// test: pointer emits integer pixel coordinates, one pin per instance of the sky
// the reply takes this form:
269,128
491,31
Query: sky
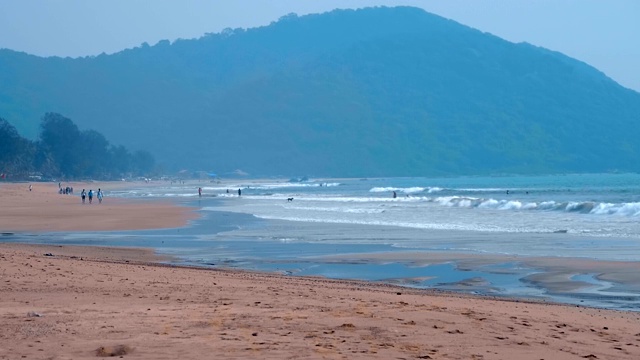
602,33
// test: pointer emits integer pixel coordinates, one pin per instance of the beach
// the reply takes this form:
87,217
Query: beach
79,302
44,209
75,302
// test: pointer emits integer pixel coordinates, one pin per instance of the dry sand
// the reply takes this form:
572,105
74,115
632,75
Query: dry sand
82,302
43,209
86,301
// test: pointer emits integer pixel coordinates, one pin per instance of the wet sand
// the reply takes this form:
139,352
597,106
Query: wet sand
79,302
555,273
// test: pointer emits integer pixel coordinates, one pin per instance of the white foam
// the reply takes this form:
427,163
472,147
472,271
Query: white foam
429,226
625,209
273,186
340,199
338,209
409,190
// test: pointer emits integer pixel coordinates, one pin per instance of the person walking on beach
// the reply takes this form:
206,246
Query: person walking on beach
83,195
99,196
200,192
90,196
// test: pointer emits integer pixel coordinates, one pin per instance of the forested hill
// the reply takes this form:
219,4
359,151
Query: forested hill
372,92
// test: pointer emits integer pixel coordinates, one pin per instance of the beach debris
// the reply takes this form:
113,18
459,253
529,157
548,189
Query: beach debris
34,314
118,350
347,326
48,254
590,356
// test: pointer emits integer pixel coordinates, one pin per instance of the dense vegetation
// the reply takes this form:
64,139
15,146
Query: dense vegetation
64,152
372,92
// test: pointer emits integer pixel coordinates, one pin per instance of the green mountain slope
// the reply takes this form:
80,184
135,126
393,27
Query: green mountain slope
372,92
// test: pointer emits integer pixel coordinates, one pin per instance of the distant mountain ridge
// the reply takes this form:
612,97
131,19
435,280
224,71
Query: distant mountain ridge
370,92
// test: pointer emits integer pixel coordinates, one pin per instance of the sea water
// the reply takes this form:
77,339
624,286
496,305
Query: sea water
593,205
318,226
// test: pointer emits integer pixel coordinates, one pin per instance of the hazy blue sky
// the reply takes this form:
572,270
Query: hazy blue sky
603,33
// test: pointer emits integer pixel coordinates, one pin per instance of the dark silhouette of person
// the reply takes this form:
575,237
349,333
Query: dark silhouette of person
239,192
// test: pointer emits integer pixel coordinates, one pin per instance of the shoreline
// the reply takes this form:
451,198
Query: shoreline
577,281
82,299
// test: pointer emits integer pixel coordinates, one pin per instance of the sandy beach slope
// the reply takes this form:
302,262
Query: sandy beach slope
84,301
43,209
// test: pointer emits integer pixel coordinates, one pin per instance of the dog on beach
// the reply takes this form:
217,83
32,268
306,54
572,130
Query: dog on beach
289,199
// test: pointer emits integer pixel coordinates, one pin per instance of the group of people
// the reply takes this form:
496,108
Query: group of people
67,190
239,192
98,194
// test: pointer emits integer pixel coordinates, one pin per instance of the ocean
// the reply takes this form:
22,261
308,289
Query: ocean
512,236
602,208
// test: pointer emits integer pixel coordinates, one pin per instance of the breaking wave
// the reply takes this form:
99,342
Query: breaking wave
410,190
585,207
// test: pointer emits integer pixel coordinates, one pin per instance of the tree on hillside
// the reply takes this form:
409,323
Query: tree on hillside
95,154
60,138
64,150
16,153
120,160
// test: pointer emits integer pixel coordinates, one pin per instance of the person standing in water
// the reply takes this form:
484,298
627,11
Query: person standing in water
200,192
239,192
